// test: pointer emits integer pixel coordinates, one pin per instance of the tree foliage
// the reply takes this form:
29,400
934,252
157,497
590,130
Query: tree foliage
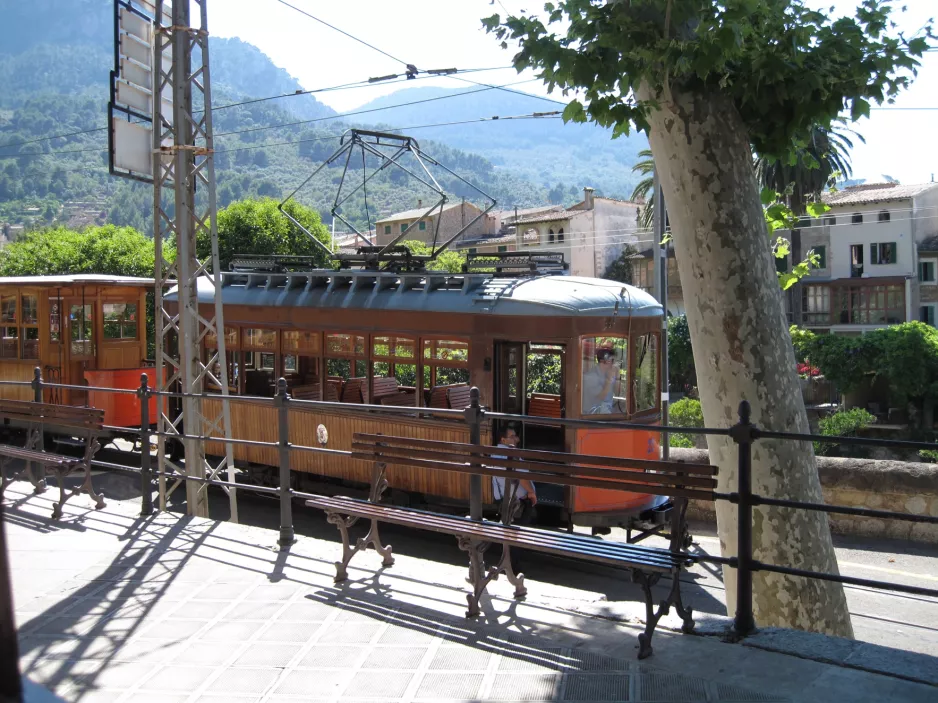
258,227
119,251
681,370
448,260
621,267
784,66
905,355
686,412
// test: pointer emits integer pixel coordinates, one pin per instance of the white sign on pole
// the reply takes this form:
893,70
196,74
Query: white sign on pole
133,147
130,110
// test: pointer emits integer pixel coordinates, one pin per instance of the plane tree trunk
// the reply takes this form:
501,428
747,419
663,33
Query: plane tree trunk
742,351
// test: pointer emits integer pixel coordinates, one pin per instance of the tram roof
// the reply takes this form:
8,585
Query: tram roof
433,292
78,279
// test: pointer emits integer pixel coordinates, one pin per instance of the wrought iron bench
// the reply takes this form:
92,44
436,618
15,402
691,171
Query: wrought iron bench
646,564
84,424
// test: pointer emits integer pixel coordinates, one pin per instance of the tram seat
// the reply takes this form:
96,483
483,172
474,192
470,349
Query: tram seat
355,390
458,397
402,398
309,392
312,392
333,389
455,396
384,387
544,405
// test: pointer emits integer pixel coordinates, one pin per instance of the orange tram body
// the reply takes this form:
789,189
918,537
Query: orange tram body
542,345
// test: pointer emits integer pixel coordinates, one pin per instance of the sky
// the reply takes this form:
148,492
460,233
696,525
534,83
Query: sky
900,143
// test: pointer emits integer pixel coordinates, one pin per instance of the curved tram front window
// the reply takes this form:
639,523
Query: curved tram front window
605,375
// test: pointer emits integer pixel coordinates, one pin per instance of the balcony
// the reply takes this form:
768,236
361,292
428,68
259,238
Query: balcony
876,301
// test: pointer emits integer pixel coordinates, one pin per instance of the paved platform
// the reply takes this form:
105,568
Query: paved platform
112,607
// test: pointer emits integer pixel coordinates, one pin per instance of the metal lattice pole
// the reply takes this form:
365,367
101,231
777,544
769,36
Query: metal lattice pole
183,158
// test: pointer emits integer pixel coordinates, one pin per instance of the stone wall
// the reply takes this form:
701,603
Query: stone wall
903,487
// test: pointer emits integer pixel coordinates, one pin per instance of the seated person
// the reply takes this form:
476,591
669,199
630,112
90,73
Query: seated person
525,493
600,383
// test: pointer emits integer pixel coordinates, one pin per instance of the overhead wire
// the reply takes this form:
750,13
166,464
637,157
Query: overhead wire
363,112
342,31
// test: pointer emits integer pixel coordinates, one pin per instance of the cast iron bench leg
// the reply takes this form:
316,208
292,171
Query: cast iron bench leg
646,581
373,538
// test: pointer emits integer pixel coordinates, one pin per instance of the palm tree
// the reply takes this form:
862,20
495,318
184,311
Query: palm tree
826,153
645,188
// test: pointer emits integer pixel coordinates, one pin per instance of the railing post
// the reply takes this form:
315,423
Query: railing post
743,434
146,476
37,384
281,402
474,420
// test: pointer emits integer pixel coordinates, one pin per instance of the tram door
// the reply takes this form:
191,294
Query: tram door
509,383
530,379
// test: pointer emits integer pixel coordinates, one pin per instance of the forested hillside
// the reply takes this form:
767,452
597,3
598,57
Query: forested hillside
55,56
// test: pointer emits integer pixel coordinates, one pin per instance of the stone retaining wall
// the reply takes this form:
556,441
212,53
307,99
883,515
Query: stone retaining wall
903,487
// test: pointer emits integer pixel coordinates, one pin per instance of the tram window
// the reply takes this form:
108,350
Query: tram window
260,362
645,381
30,305
29,312
81,323
8,309
30,342
55,320
605,375
345,344
215,368
231,338
120,321
347,369
394,368
301,342
260,339
445,363
9,342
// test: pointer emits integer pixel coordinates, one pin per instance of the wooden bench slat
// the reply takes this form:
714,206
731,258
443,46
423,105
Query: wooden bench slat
615,553
640,476
484,451
38,456
697,494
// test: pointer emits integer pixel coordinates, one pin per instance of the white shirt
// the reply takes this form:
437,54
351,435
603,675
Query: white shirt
498,484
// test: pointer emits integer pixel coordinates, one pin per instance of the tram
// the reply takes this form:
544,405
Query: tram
80,330
535,342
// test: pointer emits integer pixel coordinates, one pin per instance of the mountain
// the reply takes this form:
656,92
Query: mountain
55,59
545,151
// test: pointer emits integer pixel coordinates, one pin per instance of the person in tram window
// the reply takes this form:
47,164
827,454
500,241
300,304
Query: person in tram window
524,512
599,383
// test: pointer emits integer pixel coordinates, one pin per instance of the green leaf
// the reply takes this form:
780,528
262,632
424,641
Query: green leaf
787,280
574,112
859,108
768,196
817,208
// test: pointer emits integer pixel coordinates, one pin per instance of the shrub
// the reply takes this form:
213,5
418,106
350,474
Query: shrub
842,424
685,413
929,455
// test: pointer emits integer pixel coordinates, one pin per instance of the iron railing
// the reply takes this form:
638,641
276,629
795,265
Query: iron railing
744,434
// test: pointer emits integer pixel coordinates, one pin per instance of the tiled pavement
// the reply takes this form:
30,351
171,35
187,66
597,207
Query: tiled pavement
171,609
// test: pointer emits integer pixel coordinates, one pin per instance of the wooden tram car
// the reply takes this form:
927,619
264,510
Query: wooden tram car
531,342
80,330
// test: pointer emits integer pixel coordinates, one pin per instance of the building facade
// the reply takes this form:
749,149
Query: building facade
440,223
878,249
